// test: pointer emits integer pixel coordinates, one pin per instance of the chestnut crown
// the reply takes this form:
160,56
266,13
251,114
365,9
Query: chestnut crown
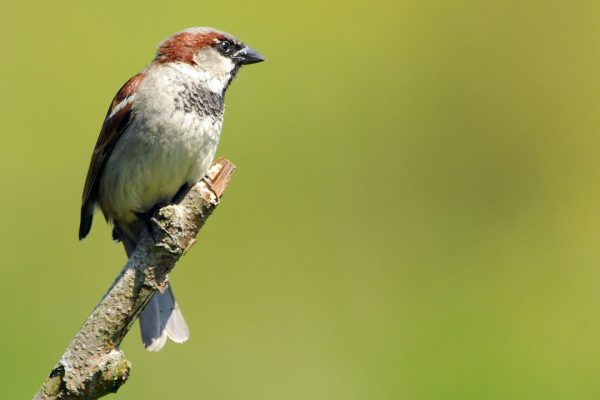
195,45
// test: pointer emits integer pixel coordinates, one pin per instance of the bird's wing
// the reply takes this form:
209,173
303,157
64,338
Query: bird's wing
118,117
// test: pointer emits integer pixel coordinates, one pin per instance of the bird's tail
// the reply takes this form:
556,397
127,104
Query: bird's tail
161,318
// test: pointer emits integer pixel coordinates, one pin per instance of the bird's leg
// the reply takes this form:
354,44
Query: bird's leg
116,234
151,223
183,190
149,217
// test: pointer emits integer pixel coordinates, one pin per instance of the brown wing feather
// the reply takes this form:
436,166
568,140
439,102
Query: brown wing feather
112,128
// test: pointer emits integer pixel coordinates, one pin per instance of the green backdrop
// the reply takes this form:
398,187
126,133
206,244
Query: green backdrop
414,215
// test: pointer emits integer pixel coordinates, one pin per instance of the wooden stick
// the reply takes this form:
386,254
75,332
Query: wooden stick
93,365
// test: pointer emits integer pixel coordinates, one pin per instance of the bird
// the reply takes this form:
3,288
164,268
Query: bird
159,137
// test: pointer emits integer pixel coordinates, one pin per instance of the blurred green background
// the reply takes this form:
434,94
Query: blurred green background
415,213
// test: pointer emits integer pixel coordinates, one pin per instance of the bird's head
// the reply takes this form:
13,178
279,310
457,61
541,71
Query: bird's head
213,53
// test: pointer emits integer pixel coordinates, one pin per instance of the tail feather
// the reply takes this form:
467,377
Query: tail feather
176,327
85,223
154,336
162,319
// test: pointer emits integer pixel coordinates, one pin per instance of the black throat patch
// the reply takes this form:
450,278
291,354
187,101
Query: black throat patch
194,98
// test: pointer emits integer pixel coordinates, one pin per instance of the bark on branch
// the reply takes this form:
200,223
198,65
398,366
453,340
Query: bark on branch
93,365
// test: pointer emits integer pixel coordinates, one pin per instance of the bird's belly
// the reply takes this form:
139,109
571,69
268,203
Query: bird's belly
149,166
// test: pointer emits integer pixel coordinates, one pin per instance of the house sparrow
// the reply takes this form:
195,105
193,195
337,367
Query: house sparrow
158,139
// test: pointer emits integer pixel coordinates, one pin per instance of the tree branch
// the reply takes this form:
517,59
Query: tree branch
93,365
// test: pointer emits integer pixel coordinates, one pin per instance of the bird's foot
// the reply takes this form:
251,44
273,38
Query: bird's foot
152,224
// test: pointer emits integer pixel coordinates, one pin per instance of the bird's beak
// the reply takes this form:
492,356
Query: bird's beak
248,55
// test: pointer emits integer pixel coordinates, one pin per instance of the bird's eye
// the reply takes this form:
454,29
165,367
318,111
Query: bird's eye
225,46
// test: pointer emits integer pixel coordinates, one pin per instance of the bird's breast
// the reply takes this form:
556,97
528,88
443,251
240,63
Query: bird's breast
171,141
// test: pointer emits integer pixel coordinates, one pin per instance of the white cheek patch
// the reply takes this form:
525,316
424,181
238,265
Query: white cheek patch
215,68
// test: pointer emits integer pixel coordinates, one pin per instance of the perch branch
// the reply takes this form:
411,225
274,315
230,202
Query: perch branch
93,365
